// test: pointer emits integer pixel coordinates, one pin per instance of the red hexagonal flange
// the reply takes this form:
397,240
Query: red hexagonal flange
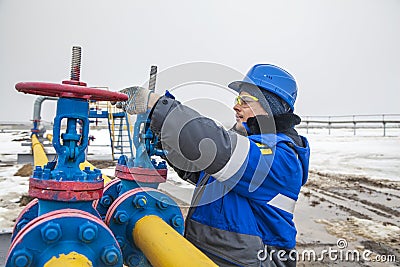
141,175
65,190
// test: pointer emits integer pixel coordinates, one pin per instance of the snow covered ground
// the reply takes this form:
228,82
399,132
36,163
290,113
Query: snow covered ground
368,153
353,190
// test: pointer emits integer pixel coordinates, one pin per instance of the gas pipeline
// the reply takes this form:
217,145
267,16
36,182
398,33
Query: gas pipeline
74,219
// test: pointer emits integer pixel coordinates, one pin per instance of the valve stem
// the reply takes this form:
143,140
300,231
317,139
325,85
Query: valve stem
153,76
76,63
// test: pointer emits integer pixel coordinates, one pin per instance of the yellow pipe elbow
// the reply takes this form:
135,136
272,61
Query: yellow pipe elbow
163,246
39,155
72,259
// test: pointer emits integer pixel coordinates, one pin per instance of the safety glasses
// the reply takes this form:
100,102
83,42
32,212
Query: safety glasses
245,99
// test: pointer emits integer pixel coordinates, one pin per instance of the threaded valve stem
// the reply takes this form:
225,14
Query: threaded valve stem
76,63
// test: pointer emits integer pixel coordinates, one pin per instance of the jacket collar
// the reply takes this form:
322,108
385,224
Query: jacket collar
263,124
282,123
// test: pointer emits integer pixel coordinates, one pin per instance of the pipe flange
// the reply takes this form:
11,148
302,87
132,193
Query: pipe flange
133,205
141,175
66,190
48,238
29,213
110,194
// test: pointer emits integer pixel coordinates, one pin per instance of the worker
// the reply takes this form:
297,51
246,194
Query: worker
248,178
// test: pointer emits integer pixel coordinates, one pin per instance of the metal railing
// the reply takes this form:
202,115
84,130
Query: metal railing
354,122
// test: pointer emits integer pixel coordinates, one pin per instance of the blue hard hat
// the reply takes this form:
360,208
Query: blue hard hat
271,78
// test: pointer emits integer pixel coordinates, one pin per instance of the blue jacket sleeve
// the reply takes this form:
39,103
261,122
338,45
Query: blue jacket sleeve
196,143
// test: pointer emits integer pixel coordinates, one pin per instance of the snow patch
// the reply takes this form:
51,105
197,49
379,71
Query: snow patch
353,227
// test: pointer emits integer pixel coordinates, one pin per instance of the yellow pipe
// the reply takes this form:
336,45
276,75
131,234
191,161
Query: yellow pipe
163,246
73,259
49,137
84,164
39,155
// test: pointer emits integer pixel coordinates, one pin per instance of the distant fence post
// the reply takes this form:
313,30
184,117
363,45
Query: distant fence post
384,125
329,125
354,124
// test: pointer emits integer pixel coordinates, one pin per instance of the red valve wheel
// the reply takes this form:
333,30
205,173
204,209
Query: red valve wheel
68,90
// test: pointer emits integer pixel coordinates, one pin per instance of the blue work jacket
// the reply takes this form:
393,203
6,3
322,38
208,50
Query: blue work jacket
248,189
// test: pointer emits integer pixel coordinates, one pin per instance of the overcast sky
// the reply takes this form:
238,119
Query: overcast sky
344,53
